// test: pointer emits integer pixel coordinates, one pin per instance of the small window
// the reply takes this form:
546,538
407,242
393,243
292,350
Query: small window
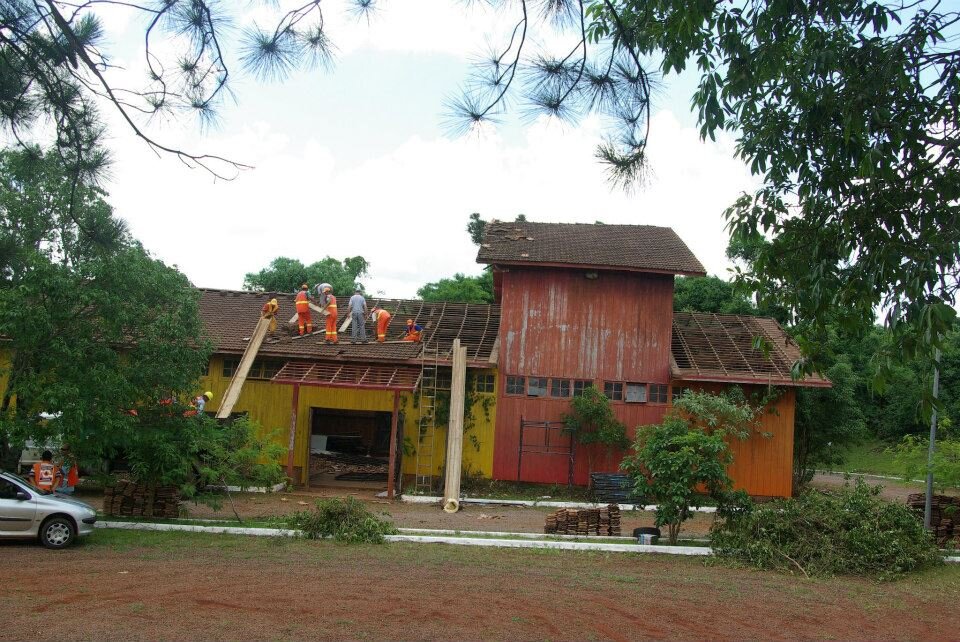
265,369
537,387
516,385
560,388
677,392
230,367
484,383
580,386
444,379
636,392
658,393
613,390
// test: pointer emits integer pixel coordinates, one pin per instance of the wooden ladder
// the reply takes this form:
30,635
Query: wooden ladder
427,424
240,376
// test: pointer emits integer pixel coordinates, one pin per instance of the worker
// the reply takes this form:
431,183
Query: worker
358,317
413,332
45,474
270,312
198,404
382,320
303,310
72,476
329,305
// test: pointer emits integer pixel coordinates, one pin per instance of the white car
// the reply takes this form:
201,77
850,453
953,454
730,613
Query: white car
29,513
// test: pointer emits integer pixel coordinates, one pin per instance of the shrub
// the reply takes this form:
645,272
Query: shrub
850,531
592,421
344,520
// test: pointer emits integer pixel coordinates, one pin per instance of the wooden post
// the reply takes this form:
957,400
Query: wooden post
451,486
293,433
391,474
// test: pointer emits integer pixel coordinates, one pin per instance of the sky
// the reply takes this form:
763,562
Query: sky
357,161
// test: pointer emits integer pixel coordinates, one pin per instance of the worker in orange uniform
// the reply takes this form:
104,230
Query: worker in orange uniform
46,475
329,305
382,320
413,332
303,310
270,312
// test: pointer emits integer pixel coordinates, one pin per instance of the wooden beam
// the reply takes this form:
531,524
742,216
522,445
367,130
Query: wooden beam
391,481
240,376
293,434
451,486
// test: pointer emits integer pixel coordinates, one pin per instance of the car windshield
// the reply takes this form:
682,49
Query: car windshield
33,489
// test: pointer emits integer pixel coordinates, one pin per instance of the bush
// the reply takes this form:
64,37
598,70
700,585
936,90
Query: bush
345,520
850,531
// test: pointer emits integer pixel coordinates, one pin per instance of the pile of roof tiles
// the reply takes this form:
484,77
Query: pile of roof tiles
132,499
584,521
944,516
612,487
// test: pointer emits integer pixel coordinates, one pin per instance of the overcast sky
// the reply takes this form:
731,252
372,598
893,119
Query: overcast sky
356,160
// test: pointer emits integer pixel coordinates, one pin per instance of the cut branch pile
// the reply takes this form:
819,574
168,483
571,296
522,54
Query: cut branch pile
339,464
944,516
586,521
132,499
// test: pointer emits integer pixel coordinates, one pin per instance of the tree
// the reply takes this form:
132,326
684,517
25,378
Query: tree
687,452
287,275
93,324
591,421
709,294
460,289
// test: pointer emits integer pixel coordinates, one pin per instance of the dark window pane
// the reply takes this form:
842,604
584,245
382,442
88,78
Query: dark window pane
580,386
515,385
560,388
658,393
613,390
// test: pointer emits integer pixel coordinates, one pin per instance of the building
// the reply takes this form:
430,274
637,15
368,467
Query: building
576,305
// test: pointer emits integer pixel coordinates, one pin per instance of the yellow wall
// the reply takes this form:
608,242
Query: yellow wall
270,405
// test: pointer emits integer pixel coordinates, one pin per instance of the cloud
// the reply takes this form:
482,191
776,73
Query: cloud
406,210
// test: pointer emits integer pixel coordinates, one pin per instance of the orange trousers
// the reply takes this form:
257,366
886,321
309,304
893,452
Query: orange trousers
331,333
304,320
383,320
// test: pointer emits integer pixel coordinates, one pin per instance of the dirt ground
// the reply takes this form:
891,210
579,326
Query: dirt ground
892,489
122,585
472,517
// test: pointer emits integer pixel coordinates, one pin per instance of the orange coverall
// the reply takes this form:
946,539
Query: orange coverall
303,312
331,333
383,320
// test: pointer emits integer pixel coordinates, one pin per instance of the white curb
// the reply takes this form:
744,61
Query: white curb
427,499
192,528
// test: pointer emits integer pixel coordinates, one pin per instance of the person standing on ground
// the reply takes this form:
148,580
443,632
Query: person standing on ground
358,317
45,474
303,310
382,320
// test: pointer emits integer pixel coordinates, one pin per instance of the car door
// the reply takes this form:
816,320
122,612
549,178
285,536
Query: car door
16,515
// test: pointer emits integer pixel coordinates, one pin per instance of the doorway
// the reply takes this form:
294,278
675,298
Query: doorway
349,448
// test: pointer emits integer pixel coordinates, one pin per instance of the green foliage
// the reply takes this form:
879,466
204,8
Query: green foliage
460,289
687,453
287,275
911,457
826,420
476,227
850,531
709,294
344,520
592,421
96,326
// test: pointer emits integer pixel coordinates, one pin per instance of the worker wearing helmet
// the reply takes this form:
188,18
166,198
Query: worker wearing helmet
199,404
303,310
329,304
413,332
270,312
381,318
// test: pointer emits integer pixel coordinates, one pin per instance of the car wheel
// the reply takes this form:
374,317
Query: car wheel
57,532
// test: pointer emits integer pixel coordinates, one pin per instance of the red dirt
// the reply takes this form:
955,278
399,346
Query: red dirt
128,586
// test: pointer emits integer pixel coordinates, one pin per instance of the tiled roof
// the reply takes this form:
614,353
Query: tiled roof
642,248
720,347
230,316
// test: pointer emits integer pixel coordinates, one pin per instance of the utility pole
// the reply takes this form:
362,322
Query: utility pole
928,503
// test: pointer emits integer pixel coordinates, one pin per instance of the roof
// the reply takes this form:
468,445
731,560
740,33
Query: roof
720,347
229,317
637,248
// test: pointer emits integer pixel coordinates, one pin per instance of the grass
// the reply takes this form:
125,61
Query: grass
873,457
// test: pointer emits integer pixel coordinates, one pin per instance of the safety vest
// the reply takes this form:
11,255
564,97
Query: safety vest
331,303
45,475
303,303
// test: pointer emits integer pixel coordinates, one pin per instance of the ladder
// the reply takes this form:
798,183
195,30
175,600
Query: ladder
427,424
240,376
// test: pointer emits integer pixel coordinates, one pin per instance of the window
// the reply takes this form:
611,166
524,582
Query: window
484,383
636,393
677,392
265,369
444,379
537,387
580,386
613,390
658,393
560,388
8,490
230,367
516,385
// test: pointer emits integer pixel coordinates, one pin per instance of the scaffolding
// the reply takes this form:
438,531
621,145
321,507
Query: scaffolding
427,423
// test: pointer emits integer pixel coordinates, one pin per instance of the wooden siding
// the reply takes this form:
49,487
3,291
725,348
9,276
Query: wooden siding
559,323
269,404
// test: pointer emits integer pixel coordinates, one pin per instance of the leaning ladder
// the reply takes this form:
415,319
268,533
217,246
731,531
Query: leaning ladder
427,424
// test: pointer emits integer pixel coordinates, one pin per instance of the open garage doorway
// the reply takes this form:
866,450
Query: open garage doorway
349,448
